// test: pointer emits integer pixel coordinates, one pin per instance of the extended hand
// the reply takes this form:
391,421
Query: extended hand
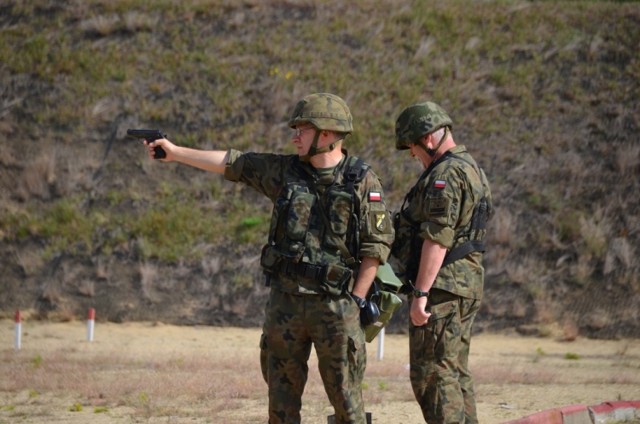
162,145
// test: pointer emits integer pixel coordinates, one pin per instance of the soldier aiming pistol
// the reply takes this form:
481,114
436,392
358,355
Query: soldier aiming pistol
150,135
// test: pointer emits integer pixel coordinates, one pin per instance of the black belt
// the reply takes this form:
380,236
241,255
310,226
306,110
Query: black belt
302,269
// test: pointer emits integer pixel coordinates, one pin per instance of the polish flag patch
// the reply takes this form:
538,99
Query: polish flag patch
439,184
375,196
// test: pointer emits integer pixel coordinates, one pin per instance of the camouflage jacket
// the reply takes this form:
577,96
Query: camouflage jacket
313,218
439,208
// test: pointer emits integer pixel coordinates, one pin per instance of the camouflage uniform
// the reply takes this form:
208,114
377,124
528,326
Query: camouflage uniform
440,208
310,278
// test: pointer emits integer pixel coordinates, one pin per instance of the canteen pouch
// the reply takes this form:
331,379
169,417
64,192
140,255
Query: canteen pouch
388,303
386,285
387,279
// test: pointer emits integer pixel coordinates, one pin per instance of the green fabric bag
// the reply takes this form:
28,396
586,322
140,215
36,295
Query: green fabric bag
386,286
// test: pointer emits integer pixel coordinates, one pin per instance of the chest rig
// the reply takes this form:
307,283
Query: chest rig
314,234
468,238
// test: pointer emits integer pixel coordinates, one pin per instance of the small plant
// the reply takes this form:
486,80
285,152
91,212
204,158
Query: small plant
539,354
143,398
36,362
242,279
251,221
571,356
76,407
100,410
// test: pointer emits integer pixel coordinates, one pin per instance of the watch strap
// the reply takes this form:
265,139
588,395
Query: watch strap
359,301
420,293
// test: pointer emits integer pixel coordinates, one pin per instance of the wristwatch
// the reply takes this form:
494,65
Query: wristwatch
420,293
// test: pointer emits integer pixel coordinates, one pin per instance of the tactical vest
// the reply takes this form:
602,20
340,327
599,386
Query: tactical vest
469,238
314,233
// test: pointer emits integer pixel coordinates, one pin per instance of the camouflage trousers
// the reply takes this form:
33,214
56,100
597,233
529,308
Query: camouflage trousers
294,323
439,356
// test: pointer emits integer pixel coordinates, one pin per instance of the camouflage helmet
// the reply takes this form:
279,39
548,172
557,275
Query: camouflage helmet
418,120
325,111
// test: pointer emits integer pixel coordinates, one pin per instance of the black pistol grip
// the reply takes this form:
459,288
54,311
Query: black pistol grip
159,153
150,136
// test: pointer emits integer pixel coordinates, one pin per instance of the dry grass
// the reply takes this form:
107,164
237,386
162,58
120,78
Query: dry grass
37,177
163,373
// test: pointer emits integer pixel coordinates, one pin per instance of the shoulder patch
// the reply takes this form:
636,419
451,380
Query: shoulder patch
438,206
375,196
380,223
439,184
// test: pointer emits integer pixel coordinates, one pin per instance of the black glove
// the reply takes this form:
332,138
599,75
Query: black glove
369,311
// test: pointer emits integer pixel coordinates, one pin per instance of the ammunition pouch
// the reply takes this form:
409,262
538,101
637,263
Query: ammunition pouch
385,288
270,259
337,280
333,279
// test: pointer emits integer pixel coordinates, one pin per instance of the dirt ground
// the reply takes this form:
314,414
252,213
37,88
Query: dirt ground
155,373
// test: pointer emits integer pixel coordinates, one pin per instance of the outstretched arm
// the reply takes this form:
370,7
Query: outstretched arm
208,160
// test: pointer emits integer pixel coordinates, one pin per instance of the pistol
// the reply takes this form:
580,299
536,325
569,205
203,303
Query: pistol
150,135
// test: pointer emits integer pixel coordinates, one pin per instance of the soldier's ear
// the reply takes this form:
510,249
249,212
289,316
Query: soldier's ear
326,134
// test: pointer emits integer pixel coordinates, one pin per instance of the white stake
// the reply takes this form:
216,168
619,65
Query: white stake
18,335
380,344
91,319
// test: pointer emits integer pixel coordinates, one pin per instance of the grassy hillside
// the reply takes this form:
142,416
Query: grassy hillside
544,94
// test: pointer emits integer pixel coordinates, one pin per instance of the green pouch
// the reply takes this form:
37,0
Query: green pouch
387,279
387,302
386,286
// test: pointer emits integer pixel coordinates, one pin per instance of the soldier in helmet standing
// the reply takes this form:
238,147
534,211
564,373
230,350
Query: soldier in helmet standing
329,231
439,248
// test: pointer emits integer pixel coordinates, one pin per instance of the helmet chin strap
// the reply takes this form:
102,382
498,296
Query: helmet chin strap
432,152
313,149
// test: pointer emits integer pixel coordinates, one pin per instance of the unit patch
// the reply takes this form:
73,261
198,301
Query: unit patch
438,206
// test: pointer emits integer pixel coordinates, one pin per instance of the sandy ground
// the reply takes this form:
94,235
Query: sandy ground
155,373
